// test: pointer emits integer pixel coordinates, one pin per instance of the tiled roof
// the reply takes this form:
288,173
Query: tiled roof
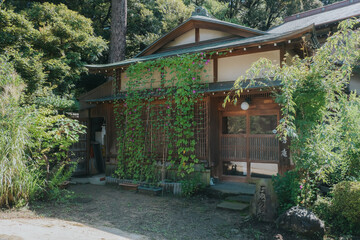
326,17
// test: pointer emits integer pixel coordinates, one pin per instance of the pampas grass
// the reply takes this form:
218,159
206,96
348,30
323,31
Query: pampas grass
18,181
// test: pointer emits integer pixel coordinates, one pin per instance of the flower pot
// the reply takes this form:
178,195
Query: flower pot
154,191
129,186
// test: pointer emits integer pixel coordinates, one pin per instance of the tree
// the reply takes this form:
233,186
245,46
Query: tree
173,13
49,45
263,14
118,30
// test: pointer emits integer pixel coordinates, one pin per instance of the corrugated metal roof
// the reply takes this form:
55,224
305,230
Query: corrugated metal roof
209,88
208,47
319,19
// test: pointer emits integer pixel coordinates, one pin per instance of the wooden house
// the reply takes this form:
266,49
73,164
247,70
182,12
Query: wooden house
235,143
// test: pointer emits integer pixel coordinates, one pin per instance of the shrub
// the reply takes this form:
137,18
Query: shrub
346,203
322,208
191,185
18,184
287,188
34,144
341,212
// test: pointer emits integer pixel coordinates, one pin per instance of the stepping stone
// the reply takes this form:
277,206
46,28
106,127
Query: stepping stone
233,206
235,188
240,198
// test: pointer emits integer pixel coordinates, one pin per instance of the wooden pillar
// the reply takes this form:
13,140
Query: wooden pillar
248,146
88,141
214,136
215,69
197,35
109,130
282,54
118,80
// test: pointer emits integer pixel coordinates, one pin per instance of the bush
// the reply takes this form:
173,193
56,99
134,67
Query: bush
18,184
341,213
322,208
287,188
191,185
34,144
346,203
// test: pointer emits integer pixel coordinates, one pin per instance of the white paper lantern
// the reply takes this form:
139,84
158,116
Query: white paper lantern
244,106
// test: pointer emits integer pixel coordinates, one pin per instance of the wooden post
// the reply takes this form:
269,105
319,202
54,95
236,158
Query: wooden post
215,69
88,145
248,146
197,35
118,80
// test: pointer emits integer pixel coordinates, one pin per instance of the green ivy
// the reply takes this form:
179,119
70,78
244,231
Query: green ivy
165,107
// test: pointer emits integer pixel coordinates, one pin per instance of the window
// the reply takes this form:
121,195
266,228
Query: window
234,125
264,124
235,168
263,170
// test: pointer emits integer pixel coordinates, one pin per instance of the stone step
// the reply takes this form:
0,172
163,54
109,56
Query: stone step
240,198
233,188
233,205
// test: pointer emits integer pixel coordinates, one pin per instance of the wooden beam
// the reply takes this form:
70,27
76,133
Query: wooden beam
215,69
118,80
162,77
197,35
225,28
249,50
282,54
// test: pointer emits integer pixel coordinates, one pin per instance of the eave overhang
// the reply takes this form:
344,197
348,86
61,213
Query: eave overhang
200,22
233,44
223,87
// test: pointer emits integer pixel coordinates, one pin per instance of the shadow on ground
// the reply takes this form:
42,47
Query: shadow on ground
157,217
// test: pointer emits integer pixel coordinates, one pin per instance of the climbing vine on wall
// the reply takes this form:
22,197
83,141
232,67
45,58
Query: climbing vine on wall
155,120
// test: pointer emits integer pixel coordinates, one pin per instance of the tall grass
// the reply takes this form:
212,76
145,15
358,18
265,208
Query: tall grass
18,182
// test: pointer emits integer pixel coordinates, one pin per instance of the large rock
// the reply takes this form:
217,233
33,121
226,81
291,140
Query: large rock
302,221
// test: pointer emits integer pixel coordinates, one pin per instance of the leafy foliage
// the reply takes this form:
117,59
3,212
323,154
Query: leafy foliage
341,211
17,183
50,45
287,188
149,19
34,144
319,118
313,104
346,203
175,95
191,185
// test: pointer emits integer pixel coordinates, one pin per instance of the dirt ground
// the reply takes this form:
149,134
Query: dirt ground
110,209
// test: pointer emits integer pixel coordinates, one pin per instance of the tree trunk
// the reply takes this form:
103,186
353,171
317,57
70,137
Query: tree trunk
118,30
